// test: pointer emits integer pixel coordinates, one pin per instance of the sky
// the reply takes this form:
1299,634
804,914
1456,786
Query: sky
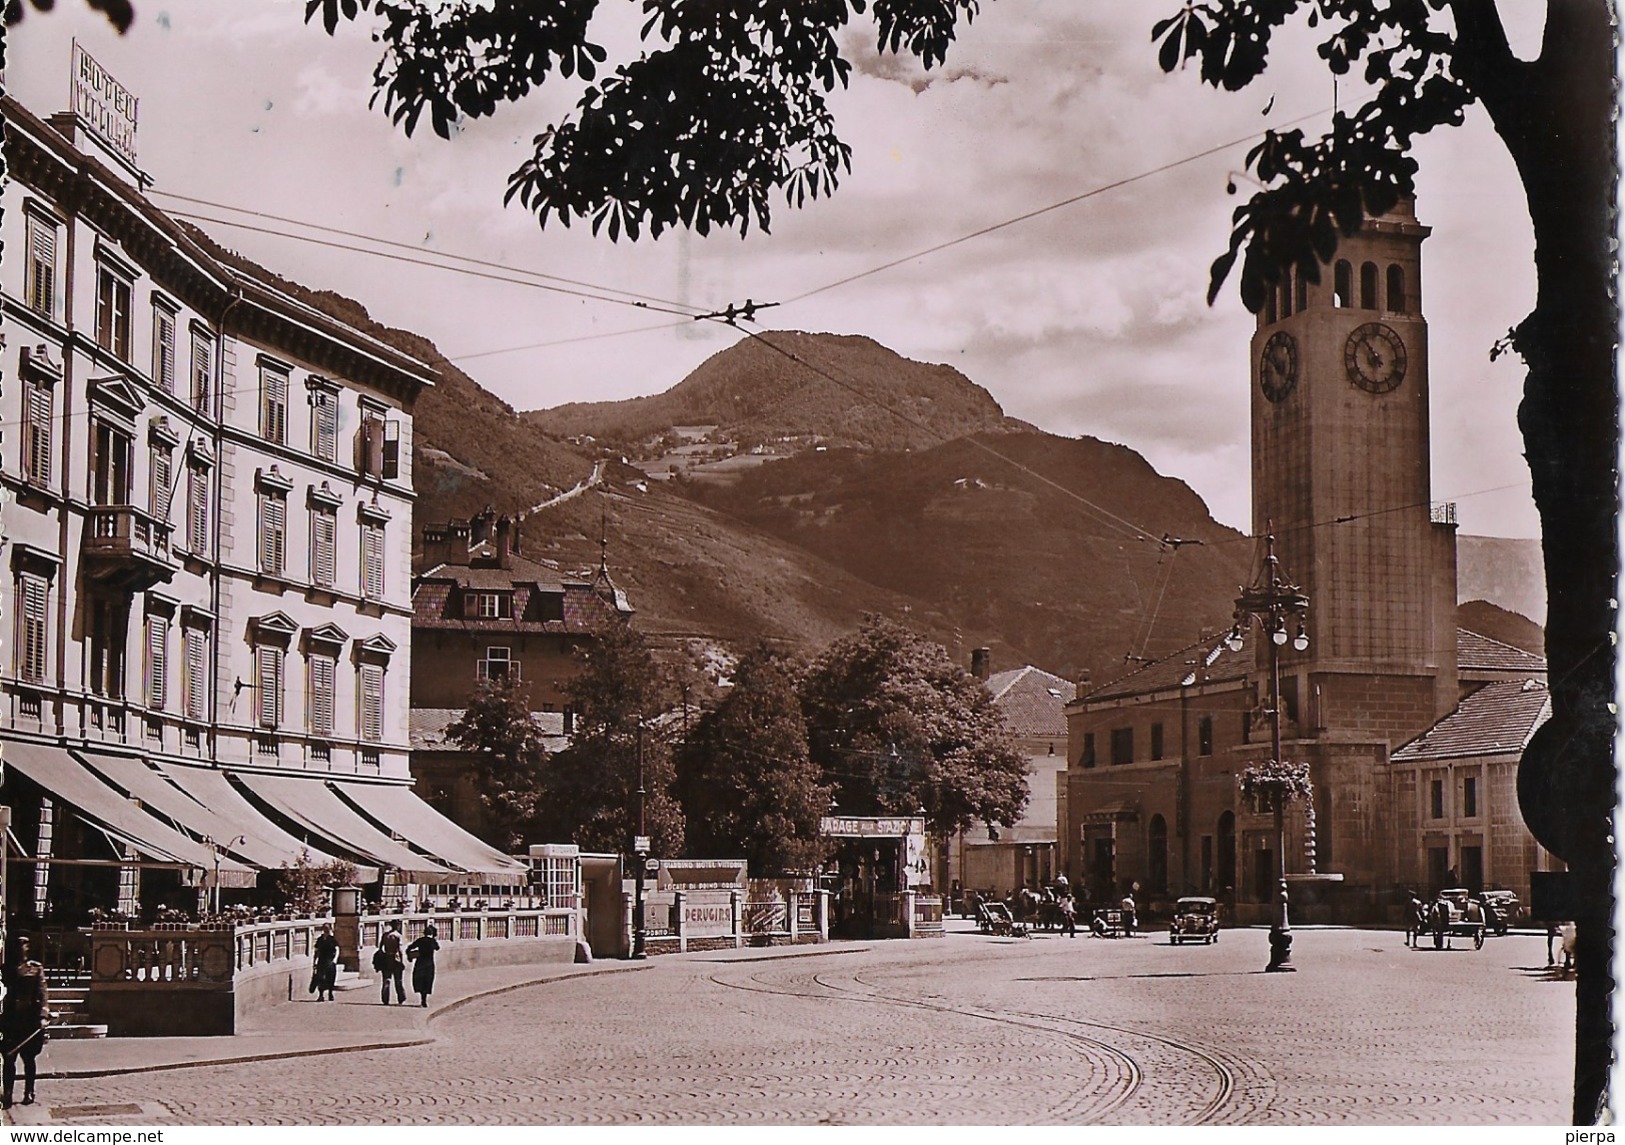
1088,319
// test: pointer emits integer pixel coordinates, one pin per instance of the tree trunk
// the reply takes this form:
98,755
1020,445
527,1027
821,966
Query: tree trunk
1555,119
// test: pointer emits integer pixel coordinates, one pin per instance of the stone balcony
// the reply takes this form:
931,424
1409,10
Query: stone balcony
127,548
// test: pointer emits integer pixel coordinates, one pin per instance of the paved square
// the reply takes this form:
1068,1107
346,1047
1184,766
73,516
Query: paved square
966,1029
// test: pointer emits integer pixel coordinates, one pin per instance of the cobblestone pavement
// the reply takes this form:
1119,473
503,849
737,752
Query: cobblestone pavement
967,1029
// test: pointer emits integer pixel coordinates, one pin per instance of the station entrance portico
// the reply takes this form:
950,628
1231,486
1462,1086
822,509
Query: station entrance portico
875,861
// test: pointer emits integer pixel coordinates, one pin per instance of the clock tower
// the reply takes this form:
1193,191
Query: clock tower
1341,476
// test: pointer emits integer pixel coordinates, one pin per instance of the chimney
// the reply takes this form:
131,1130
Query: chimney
436,545
504,542
981,663
481,526
1082,688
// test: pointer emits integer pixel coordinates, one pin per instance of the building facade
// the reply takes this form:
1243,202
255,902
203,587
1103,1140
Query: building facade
483,611
208,547
1001,860
1340,470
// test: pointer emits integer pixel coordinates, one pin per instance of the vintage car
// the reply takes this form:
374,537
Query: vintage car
1195,920
1505,907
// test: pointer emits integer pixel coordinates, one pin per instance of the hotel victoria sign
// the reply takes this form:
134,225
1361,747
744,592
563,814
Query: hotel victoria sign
106,106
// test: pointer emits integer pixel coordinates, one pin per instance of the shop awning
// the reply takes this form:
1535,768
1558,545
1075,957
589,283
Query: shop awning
310,803
408,816
120,818
240,830
210,787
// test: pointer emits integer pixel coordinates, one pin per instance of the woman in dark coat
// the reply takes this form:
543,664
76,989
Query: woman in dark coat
324,975
23,1018
421,955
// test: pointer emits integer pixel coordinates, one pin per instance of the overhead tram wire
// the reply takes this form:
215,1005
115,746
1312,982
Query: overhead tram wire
600,291
507,278
1116,184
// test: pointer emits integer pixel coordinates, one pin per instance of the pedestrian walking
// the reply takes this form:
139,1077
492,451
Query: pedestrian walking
1129,920
23,1018
325,971
389,962
421,954
1069,914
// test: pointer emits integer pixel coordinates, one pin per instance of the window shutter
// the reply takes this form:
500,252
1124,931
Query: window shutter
372,702
327,427
202,370
163,352
195,668
372,557
372,446
161,479
31,592
273,532
157,662
324,547
42,267
39,433
268,686
274,406
322,673
390,466
197,509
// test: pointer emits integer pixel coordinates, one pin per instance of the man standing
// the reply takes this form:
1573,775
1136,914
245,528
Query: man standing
391,962
23,1018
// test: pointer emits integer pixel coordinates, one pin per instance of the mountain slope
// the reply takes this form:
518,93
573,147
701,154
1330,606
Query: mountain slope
1050,541
779,385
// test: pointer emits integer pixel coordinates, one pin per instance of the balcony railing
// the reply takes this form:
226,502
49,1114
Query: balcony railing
126,544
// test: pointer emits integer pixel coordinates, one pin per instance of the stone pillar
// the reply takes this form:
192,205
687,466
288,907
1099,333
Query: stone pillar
347,926
821,913
907,901
737,913
790,913
677,919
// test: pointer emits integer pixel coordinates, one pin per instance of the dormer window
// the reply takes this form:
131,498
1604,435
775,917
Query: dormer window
489,606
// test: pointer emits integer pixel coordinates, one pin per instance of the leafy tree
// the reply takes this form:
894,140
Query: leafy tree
621,699
509,755
898,726
119,13
307,885
745,780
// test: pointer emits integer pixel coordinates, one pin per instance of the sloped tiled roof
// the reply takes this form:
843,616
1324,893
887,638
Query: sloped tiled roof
1497,719
1481,653
1033,701
1180,669
426,728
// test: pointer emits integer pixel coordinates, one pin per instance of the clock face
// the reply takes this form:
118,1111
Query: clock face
1278,366
1375,358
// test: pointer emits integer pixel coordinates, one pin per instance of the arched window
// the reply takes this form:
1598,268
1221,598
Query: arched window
1396,288
1368,286
1300,290
1343,284
1157,853
1227,854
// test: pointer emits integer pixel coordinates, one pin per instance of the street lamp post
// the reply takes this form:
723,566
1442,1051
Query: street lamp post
640,853
1278,606
219,850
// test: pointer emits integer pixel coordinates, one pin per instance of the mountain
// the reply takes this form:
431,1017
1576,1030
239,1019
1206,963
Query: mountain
838,389
1497,623
1053,542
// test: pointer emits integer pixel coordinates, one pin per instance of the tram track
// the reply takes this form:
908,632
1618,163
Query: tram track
1122,1072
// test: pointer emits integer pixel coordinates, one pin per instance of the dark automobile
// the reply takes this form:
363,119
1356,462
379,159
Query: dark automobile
1195,920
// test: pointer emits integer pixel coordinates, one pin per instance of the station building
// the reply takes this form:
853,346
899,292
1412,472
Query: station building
1411,727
